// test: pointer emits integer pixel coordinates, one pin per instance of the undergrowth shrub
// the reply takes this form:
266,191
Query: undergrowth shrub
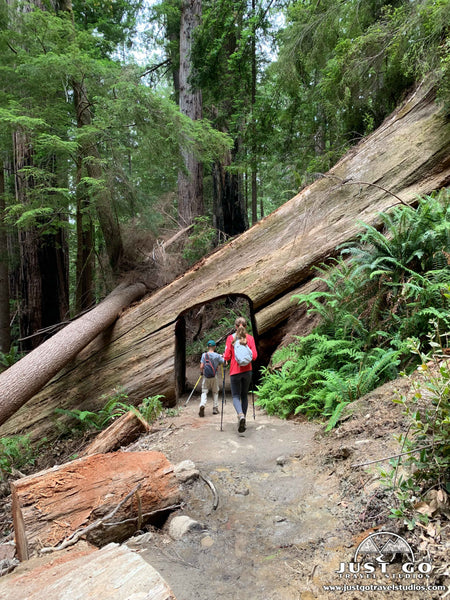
15,453
420,477
385,287
321,375
200,240
149,409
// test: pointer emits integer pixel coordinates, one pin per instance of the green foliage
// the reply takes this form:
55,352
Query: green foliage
342,68
115,406
9,358
425,467
320,375
200,240
393,284
15,453
225,314
150,408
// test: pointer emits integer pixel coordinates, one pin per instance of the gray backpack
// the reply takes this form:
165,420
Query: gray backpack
243,354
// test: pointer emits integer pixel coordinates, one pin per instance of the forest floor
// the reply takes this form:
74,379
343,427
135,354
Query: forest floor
293,507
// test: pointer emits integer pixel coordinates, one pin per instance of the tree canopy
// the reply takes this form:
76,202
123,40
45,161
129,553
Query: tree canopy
93,140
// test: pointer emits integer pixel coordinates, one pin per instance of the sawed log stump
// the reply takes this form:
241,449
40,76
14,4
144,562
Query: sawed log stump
50,506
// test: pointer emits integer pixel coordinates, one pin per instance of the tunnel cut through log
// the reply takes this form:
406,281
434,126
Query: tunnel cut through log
182,338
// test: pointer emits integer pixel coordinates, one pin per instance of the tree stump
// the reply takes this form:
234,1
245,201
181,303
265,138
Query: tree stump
101,498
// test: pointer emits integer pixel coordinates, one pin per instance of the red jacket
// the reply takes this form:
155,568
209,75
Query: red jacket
229,354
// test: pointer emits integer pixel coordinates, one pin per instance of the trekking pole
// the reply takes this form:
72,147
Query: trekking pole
253,401
190,395
223,397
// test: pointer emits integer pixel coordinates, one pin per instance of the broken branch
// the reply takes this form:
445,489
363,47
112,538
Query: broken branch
213,490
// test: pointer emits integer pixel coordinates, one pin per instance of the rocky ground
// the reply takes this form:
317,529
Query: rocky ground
293,505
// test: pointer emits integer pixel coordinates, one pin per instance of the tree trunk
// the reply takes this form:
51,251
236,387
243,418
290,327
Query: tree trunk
190,181
253,124
53,258
109,223
50,506
230,216
25,378
44,263
30,284
5,330
84,291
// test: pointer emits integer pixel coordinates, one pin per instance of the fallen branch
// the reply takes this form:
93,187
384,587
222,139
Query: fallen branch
213,490
371,462
350,181
76,535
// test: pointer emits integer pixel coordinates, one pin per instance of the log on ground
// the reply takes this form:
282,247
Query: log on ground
112,573
123,431
65,501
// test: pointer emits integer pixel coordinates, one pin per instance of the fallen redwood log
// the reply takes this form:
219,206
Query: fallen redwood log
112,573
102,498
407,156
25,378
123,431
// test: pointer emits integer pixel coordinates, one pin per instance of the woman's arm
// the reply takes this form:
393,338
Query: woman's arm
252,345
227,354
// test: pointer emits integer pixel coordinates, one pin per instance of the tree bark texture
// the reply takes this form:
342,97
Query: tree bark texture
230,215
408,155
43,273
5,330
30,283
25,378
51,505
190,181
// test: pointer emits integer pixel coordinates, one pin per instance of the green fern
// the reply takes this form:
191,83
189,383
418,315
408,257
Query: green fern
384,288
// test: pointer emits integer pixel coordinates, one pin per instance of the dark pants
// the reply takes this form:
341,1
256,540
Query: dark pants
240,384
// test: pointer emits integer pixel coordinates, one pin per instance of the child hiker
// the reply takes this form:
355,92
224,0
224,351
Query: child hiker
209,363
240,349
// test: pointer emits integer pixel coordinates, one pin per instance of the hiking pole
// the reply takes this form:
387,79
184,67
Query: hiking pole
253,401
223,397
190,395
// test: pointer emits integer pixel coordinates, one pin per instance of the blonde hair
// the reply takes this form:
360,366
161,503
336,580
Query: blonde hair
241,335
240,321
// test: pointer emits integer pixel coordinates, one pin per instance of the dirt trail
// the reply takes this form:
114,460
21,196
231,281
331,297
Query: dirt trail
271,504
291,507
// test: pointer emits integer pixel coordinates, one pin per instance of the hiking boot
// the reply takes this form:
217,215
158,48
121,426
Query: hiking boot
201,412
215,411
241,427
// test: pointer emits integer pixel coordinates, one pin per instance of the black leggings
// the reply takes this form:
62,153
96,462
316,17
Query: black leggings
240,384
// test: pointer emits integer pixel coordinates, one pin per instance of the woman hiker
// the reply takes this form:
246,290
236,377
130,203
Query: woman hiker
240,349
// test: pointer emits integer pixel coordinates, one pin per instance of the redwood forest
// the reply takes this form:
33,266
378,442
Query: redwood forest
171,166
